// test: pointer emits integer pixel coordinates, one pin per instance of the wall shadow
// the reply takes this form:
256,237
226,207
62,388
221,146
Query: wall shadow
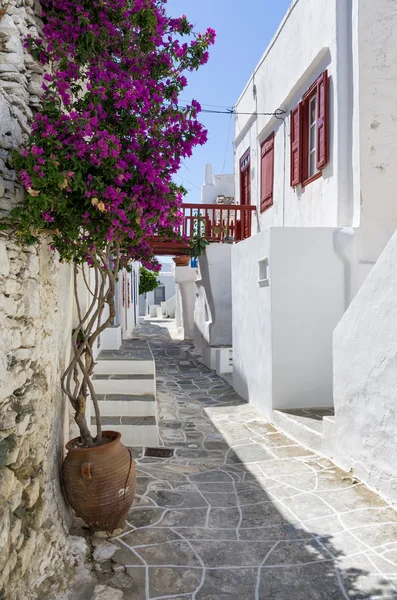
241,511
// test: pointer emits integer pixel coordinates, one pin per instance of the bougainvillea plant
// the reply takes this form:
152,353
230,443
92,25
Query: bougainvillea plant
98,165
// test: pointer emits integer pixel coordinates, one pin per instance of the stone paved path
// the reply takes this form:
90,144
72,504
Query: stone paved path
241,512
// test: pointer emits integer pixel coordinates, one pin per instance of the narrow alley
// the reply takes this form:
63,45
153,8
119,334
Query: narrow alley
240,511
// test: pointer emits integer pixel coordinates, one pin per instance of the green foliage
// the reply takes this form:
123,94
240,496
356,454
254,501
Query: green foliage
147,281
198,243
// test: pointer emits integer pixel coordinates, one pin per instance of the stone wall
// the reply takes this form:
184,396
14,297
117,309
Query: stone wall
35,327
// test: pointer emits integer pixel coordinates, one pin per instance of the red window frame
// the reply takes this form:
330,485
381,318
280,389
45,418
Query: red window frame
267,172
245,178
300,120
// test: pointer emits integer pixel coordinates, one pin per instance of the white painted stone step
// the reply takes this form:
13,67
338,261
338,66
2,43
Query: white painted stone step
125,367
134,431
305,426
139,385
122,405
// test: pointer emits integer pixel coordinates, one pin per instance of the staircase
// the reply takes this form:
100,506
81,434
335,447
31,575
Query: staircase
125,384
310,427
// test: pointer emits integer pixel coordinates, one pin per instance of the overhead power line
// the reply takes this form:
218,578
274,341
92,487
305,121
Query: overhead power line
190,182
279,113
230,111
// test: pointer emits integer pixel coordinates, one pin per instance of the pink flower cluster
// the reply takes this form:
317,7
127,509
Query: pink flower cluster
110,134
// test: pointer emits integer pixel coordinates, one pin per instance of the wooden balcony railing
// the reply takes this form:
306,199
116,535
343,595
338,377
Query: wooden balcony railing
218,222
224,223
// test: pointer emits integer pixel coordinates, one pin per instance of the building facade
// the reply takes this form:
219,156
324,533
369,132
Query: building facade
150,302
315,134
213,301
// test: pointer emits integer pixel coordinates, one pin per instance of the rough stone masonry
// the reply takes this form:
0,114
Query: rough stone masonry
35,328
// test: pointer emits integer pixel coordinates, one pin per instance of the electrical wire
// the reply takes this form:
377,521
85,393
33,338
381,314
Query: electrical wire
231,111
190,182
203,104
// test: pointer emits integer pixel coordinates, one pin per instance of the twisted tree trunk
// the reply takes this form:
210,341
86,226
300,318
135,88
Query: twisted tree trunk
76,380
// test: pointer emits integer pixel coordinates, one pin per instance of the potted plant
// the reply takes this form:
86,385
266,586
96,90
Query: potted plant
198,242
97,169
182,260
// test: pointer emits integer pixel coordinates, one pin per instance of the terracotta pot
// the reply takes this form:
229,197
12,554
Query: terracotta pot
100,482
182,261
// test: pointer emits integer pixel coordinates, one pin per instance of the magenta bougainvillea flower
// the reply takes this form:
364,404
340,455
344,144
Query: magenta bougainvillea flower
98,167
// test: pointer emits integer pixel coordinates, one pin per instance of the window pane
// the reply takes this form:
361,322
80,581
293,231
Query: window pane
312,138
313,106
312,164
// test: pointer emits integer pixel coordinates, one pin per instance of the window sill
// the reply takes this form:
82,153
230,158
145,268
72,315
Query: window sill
312,178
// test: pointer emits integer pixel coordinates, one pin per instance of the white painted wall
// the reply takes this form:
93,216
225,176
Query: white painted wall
216,185
365,379
213,307
356,40
127,300
252,324
307,287
185,278
300,51
282,328
178,309
166,279
340,224
377,76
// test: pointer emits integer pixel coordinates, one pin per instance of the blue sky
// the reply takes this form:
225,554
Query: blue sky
244,29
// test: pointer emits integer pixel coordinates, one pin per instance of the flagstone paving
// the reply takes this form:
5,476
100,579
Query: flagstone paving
242,512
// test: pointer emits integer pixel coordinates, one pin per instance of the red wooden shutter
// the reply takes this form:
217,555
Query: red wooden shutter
296,145
267,172
322,120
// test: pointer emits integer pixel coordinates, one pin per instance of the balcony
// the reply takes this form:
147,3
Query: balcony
222,223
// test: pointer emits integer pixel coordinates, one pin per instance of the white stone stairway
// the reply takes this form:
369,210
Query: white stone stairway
125,383
311,427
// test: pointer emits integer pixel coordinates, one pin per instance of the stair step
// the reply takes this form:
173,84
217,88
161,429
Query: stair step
135,431
125,398
130,385
126,405
123,376
304,425
124,366
116,355
142,421
130,350
125,384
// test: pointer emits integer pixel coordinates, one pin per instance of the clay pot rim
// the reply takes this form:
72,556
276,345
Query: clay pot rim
183,258
96,449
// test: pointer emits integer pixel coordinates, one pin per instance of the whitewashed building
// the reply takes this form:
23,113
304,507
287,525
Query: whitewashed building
127,310
213,301
315,149
161,301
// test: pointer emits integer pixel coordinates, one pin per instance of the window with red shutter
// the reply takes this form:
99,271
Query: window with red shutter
267,172
309,134
245,178
245,192
296,145
322,121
